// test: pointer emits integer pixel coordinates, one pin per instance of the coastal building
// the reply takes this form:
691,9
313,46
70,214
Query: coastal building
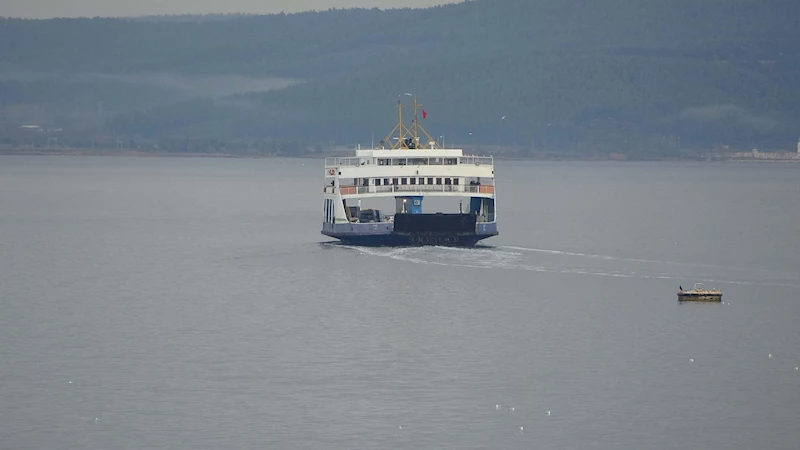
756,155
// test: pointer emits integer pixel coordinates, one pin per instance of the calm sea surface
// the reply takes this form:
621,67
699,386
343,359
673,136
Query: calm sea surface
193,304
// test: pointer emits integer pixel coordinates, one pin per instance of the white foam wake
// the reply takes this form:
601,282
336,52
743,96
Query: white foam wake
501,258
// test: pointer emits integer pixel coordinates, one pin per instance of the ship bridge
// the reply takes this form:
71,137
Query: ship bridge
440,172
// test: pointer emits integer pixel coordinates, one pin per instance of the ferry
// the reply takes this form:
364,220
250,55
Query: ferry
375,198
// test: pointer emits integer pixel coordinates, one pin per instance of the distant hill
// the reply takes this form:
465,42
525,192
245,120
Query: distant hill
193,18
646,78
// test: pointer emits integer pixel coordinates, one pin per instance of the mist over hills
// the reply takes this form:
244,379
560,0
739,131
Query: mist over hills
649,79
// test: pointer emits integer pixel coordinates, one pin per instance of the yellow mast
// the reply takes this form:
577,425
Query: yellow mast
399,128
399,122
403,131
416,124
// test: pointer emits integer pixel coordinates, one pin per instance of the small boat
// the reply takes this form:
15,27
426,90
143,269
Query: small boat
700,294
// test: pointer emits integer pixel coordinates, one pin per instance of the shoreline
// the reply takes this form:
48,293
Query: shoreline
137,154
142,154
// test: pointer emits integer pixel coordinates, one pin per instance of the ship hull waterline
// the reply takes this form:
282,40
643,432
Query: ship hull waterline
410,240
716,298
451,230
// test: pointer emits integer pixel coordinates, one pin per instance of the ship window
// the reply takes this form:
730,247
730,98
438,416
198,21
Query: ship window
438,181
377,181
418,161
365,182
437,161
386,182
455,181
394,181
380,162
422,181
448,181
430,180
328,211
404,181
450,161
413,180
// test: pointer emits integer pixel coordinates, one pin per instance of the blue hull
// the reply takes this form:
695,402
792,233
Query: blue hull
399,240
385,234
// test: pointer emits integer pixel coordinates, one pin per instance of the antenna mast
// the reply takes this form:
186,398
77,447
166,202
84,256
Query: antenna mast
416,123
399,122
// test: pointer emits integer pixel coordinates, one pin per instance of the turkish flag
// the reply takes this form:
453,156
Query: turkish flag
424,114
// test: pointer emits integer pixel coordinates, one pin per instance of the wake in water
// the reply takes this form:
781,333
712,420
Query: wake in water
616,258
565,262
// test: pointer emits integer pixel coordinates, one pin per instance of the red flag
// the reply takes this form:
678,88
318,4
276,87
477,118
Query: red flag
424,114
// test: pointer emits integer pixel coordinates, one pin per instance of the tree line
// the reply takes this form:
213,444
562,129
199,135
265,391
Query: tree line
647,78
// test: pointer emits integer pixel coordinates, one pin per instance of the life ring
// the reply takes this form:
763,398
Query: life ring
331,171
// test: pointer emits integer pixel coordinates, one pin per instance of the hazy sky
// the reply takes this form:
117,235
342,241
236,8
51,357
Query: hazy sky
91,8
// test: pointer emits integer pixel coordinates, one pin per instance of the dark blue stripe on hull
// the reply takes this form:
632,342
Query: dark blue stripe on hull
399,240
384,234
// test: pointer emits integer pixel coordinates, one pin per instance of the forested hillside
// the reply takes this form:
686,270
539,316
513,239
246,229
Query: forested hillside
645,78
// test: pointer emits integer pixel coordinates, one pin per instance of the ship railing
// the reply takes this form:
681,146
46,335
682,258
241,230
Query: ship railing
477,160
411,189
344,162
400,161
437,161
